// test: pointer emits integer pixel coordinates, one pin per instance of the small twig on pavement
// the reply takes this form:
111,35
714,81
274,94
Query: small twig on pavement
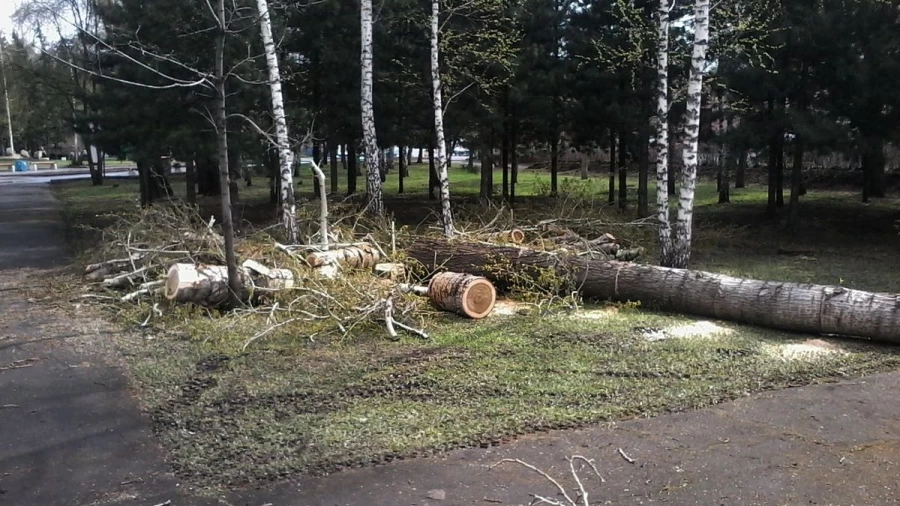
625,456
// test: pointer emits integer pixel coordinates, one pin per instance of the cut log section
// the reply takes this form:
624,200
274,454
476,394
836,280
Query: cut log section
514,236
788,306
463,294
207,285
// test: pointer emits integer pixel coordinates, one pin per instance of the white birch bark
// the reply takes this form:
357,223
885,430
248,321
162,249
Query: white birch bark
662,135
285,155
682,254
442,161
373,172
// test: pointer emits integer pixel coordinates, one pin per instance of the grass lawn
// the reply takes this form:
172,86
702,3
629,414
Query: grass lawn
288,405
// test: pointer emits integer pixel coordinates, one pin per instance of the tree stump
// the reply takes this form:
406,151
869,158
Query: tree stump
463,294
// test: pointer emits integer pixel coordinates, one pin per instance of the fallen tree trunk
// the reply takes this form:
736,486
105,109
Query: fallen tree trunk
329,263
788,306
207,285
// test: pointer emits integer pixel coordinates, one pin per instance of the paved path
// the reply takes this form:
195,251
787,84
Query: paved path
72,434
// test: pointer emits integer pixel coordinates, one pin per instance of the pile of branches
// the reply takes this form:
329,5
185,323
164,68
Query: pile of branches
136,251
142,251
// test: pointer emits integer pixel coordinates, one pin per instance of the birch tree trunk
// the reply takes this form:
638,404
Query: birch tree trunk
443,179
234,281
682,255
662,136
285,155
373,171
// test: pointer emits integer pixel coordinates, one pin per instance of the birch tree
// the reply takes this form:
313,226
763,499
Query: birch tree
682,247
285,154
662,135
442,161
375,203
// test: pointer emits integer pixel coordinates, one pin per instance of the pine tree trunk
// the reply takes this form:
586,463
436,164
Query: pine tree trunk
740,178
288,212
788,306
796,183
190,178
437,103
684,228
487,172
643,169
234,281
779,174
504,154
662,136
402,172
334,168
612,166
375,204
514,146
352,173
623,170
724,179
554,164
420,160
585,159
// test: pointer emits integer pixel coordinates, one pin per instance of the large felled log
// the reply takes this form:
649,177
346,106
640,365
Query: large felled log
789,306
468,295
207,285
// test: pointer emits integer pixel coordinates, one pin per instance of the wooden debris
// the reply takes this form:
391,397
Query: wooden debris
514,236
207,285
329,263
464,294
392,271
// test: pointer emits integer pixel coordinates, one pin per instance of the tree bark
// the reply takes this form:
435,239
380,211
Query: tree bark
643,169
419,160
685,221
554,164
787,306
796,183
612,166
190,178
401,173
504,155
374,197
234,281
662,136
207,285
437,103
464,294
740,177
351,168
514,159
288,210
623,170
432,173
334,169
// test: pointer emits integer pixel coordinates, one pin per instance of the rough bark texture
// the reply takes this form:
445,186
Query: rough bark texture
464,294
788,306
373,170
437,104
684,229
288,212
402,170
662,135
234,281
